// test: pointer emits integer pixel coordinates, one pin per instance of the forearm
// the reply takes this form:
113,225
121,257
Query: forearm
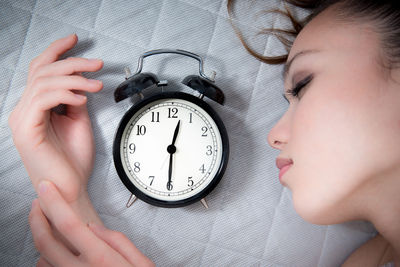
81,203
90,245
71,185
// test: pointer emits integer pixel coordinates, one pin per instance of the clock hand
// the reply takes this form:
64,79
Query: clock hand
171,150
169,184
176,132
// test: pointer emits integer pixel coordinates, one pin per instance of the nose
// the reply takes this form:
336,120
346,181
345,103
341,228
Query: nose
278,137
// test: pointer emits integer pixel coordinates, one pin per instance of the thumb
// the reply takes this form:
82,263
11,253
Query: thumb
120,243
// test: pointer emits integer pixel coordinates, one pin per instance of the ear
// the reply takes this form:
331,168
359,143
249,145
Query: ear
134,85
205,87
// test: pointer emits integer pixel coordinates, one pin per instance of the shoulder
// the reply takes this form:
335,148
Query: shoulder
375,252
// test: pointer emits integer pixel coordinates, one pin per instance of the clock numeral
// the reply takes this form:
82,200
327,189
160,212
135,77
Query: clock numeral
209,150
190,181
169,186
190,117
141,130
202,169
132,148
155,116
172,113
137,167
152,179
204,129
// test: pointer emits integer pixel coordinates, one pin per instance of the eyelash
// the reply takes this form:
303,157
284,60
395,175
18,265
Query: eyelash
297,88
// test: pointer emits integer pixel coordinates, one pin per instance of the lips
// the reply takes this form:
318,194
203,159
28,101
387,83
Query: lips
282,162
283,165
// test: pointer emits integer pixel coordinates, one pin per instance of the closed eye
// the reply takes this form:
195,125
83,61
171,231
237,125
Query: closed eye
300,85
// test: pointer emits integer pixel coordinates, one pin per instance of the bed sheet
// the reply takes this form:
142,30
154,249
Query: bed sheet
250,220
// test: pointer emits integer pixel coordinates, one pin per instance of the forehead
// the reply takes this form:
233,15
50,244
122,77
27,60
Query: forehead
327,33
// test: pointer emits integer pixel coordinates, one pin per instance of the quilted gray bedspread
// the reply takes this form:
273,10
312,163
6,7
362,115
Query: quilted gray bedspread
250,220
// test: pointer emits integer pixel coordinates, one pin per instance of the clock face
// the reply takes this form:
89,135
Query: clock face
171,149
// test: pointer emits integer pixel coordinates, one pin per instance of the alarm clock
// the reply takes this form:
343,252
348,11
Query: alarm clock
171,148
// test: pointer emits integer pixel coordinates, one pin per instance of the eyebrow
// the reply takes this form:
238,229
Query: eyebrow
286,67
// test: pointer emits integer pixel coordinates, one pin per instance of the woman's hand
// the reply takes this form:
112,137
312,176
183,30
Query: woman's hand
61,147
95,245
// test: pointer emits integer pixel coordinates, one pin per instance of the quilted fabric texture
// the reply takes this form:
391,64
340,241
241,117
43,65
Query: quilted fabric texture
251,220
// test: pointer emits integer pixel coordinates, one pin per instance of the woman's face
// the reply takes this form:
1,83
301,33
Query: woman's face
343,133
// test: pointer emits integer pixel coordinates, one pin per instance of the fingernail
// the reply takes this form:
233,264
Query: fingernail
79,96
97,82
43,187
69,36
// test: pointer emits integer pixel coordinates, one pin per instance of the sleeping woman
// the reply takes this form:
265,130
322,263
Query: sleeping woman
339,139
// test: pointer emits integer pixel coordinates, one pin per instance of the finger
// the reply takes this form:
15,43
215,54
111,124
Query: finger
68,66
43,263
67,222
121,244
78,112
76,82
47,98
51,54
45,101
52,250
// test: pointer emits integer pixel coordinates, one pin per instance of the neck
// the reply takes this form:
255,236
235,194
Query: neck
384,212
389,228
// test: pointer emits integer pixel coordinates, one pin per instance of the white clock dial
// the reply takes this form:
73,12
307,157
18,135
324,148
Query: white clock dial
144,154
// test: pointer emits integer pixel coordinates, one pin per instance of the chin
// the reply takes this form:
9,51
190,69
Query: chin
314,211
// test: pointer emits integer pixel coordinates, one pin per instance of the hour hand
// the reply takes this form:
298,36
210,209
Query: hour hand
176,132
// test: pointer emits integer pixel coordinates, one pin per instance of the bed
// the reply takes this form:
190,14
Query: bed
250,220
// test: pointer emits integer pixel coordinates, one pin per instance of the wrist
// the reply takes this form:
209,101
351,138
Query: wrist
85,210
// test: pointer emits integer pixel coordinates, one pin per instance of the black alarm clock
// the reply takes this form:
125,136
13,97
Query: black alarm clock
171,148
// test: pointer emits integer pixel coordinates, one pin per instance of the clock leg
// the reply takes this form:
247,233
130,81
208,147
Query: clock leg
131,200
204,202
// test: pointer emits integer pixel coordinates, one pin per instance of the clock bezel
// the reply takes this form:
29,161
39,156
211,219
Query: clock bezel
117,152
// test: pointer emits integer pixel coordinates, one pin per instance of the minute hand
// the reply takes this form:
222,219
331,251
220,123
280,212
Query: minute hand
169,184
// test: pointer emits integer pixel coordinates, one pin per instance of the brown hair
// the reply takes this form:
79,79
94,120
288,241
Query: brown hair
385,15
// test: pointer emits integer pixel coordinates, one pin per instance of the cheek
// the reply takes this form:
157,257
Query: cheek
328,144
344,134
